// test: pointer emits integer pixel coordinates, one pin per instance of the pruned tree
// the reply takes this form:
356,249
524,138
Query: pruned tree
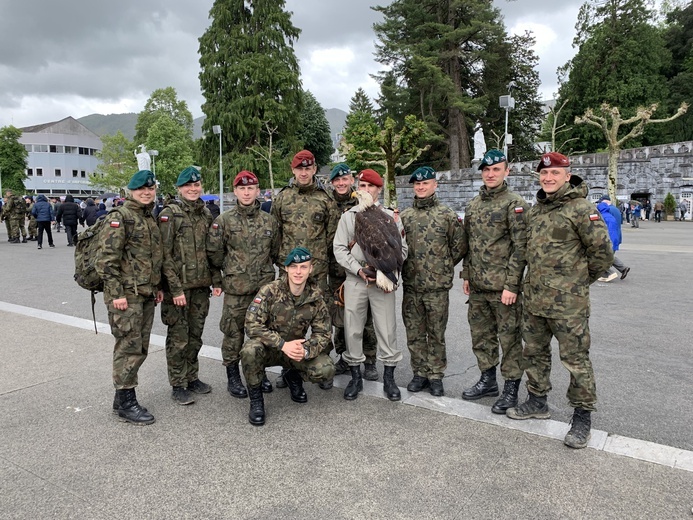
608,119
267,153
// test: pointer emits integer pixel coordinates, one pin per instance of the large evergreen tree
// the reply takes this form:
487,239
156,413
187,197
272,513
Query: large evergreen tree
13,160
678,36
313,130
249,75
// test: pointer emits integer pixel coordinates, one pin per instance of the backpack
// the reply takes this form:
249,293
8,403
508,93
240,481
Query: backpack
87,246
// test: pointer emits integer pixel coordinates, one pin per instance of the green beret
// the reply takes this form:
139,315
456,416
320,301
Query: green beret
298,255
339,170
141,179
190,174
424,173
492,157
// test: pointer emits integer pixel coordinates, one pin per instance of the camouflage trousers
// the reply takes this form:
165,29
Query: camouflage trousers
492,323
573,335
32,228
370,342
131,329
425,317
8,226
184,335
255,357
232,324
16,227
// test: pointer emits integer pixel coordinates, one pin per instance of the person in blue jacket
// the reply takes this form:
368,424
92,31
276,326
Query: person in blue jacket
612,217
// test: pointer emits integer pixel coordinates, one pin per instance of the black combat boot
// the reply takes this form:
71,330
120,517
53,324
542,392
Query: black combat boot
535,407
256,415
280,382
295,383
579,434
14,240
235,385
116,403
199,387
418,383
486,386
508,398
326,385
266,385
182,396
24,241
131,411
370,373
437,389
355,386
389,385
341,367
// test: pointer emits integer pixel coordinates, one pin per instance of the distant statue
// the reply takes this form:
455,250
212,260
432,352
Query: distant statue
144,161
479,143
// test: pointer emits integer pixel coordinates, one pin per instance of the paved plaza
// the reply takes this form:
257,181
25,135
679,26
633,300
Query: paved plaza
64,455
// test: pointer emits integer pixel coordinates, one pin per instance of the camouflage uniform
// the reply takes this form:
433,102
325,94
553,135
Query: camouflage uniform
436,241
308,217
497,237
14,211
337,278
276,316
243,242
568,248
184,226
129,263
32,228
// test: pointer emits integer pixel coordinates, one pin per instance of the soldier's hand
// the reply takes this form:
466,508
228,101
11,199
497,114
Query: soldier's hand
294,349
465,287
159,297
508,298
179,300
121,304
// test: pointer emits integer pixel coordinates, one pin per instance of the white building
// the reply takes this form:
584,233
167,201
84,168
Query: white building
62,156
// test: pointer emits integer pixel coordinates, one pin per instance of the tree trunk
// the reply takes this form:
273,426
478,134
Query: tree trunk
390,191
613,173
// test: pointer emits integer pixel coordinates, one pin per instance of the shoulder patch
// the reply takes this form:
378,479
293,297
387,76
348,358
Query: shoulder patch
252,308
459,219
163,218
519,209
257,300
594,216
115,224
215,226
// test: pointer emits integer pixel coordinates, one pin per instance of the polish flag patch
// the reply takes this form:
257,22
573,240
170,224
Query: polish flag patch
215,226
163,218
594,216
257,300
519,209
115,223
459,219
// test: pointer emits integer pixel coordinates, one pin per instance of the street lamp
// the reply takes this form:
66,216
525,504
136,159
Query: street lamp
217,131
153,154
508,103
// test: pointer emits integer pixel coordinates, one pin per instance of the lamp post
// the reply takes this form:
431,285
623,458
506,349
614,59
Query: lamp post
217,131
153,154
508,103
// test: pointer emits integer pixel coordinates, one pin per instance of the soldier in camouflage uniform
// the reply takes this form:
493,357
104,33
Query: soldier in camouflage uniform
243,243
187,277
307,217
436,241
129,263
14,211
342,181
492,272
568,249
32,228
277,322
5,215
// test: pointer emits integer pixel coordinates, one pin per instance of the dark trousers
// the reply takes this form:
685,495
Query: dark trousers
47,227
70,231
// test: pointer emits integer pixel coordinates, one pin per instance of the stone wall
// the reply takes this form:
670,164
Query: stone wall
648,172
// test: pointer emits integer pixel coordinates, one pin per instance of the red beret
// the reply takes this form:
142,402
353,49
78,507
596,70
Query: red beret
303,158
371,176
553,160
245,178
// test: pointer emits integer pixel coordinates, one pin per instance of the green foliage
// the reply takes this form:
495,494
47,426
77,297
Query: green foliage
360,102
360,130
174,145
163,102
669,204
117,163
13,160
249,75
313,130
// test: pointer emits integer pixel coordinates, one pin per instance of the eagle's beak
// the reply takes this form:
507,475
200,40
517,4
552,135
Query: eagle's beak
353,195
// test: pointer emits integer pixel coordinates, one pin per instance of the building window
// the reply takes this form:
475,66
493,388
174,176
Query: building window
57,148
39,172
28,148
30,172
83,174
70,149
41,148
58,173
74,173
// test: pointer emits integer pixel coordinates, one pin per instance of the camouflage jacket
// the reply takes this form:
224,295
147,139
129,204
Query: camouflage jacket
29,211
184,226
436,240
130,256
277,316
307,217
14,208
495,221
244,243
568,248
344,203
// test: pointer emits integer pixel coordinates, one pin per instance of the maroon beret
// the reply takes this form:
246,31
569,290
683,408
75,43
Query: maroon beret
553,160
245,178
371,176
303,158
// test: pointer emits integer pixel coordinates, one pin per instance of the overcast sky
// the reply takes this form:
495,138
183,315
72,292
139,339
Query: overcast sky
75,58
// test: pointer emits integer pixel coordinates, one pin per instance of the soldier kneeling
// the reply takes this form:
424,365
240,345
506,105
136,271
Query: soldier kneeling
276,324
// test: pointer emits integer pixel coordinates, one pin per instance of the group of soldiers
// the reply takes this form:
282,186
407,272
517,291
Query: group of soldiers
527,273
15,211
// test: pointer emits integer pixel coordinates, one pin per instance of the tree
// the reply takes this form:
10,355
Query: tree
609,121
360,102
117,163
174,145
391,148
162,102
313,130
13,160
554,130
249,75
360,130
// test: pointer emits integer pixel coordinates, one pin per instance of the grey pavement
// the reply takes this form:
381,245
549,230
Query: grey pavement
64,455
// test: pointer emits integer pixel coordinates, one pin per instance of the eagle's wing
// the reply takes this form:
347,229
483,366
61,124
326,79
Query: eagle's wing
378,237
